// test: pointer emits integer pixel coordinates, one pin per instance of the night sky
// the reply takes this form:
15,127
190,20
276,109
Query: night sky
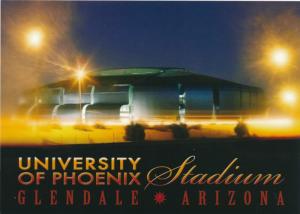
207,37
221,39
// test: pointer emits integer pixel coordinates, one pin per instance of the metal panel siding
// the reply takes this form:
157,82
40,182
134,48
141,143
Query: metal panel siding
260,102
49,96
153,94
199,100
100,112
73,98
155,102
43,111
69,112
230,100
245,102
111,97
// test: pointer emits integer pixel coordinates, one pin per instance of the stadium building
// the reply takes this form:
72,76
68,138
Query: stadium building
143,94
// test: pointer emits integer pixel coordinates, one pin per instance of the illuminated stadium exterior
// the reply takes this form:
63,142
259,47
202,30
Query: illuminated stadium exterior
143,94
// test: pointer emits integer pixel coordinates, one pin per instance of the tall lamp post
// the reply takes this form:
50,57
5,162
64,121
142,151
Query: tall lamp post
80,75
34,40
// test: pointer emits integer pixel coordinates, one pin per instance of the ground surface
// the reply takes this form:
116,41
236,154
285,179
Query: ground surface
21,133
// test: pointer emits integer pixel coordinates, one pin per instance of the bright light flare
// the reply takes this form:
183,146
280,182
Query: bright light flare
280,57
271,122
80,74
289,97
34,38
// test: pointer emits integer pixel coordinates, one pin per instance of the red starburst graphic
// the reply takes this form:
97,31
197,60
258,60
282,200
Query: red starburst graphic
160,197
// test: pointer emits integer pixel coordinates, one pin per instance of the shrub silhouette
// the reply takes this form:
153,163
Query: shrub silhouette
180,131
241,130
135,132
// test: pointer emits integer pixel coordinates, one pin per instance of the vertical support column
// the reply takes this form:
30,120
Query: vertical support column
61,95
127,111
241,104
250,101
36,102
130,103
181,103
92,100
216,102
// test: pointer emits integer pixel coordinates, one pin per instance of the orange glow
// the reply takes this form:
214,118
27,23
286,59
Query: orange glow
289,97
280,57
44,132
34,38
80,74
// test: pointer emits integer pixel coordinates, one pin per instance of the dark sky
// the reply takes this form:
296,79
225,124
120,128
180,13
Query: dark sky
222,39
200,36
208,37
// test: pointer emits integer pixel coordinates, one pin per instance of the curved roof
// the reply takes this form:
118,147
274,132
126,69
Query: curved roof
153,75
142,71
157,76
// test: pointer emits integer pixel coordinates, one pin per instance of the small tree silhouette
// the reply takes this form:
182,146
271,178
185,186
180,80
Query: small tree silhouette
180,131
241,130
135,132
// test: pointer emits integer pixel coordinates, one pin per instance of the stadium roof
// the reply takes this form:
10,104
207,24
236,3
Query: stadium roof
156,76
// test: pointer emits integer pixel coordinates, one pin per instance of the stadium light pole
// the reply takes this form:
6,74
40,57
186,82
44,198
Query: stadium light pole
34,39
80,75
